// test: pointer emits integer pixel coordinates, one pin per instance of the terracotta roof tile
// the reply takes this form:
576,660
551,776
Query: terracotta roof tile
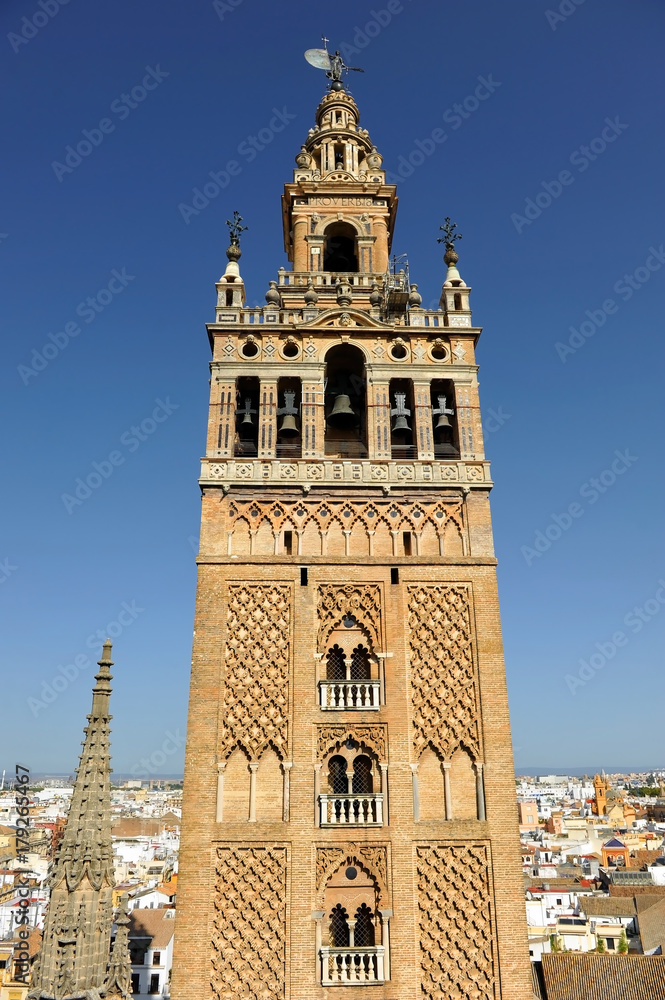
652,927
572,976
157,924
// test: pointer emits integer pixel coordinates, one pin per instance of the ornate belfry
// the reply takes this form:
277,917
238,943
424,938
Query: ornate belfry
349,809
76,960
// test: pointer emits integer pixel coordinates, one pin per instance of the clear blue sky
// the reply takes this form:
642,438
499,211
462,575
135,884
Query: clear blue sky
551,85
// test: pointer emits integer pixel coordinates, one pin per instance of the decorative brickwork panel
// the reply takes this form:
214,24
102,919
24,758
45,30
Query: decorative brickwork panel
256,691
249,936
373,738
373,859
360,601
444,703
455,923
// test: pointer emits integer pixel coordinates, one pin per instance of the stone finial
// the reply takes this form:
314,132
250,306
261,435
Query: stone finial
311,295
375,298
233,252
272,295
344,293
415,298
236,228
450,257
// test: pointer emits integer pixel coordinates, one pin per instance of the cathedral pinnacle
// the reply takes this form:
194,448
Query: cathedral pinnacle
75,946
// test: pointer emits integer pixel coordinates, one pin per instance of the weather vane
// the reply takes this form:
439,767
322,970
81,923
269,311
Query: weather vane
235,228
332,64
449,234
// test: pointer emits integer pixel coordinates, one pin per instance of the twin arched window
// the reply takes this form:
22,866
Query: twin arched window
359,782
364,933
336,667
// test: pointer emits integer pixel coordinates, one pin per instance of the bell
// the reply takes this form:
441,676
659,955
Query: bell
401,424
341,414
443,423
247,419
288,426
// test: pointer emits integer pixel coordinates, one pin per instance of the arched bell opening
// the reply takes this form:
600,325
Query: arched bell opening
339,252
289,437
247,417
345,406
402,422
446,443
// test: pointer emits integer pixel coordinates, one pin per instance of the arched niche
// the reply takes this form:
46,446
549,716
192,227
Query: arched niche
463,785
340,250
431,792
345,402
236,786
269,788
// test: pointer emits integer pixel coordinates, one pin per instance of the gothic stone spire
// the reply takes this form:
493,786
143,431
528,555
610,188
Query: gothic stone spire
75,947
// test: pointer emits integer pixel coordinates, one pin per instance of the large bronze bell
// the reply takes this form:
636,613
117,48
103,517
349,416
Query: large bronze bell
401,425
341,414
288,426
443,423
247,414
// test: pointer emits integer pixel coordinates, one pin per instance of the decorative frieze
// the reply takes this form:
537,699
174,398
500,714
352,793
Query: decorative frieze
329,472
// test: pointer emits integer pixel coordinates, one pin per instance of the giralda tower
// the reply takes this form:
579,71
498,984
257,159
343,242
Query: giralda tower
349,816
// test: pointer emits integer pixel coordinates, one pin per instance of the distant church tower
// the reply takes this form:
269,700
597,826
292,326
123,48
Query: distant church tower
74,961
349,808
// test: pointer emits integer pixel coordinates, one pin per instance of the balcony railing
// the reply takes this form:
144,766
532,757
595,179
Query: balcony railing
354,695
352,809
349,966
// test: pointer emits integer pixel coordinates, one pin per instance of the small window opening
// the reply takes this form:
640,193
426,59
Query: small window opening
406,538
249,349
364,932
394,575
229,297
303,576
288,543
339,928
335,666
337,779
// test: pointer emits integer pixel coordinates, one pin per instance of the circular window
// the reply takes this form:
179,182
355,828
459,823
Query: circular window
249,349
349,622
438,352
398,352
351,873
290,350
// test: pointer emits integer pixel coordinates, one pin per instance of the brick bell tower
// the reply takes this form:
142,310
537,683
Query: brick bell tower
349,816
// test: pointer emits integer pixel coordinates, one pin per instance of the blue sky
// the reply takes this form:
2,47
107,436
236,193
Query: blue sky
565,129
